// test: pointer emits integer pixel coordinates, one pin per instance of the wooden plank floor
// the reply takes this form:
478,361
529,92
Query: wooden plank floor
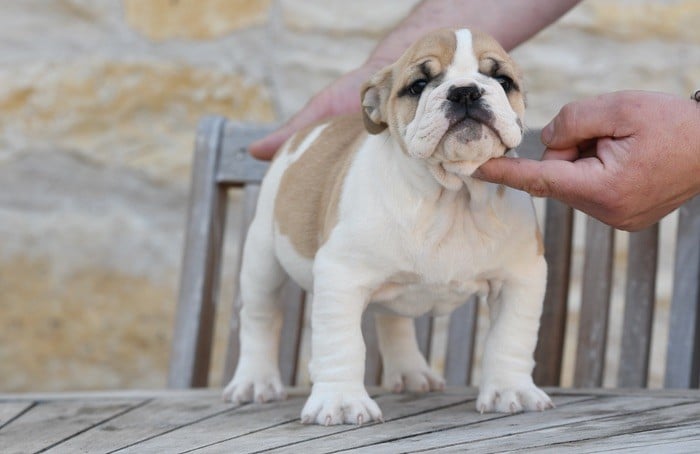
656,421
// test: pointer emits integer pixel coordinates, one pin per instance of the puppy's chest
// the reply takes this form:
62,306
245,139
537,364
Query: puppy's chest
447,258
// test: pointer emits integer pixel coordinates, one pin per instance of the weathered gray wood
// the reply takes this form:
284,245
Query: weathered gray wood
151,420
48,424
683,354
577,436
293,303
450,432
460,344
639,308
237,422
428,419
400,408
191,347
595,303
549,353
373,360
182,421
11,410
424,333
237,167
684,439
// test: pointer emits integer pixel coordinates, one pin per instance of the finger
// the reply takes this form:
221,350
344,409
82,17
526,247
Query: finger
563,180
266,147
569,154
580,121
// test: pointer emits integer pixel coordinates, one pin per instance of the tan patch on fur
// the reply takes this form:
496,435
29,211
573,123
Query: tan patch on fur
296,140
306,207
438,49
487,48
540,241
440,45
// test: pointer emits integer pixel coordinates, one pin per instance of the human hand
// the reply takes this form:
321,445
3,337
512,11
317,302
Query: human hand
626,158
340,97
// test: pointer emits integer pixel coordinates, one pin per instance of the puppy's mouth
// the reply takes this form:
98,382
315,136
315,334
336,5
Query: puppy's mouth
473,125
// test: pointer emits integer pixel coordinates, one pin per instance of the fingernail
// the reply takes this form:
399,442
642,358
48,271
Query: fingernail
478,174
548,133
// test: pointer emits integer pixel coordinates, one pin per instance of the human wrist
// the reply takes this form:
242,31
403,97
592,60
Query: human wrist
695,128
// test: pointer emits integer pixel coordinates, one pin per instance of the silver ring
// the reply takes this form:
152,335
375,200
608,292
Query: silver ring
696,96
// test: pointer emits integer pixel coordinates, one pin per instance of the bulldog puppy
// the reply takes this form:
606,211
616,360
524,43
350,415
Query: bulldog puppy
380,209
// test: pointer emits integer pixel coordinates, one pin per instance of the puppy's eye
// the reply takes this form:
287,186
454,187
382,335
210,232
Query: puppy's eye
417,87
505,82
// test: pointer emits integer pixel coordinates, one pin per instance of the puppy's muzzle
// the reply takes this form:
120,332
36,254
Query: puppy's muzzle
466,103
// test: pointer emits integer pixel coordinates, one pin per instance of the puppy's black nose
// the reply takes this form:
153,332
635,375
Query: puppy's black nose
464,95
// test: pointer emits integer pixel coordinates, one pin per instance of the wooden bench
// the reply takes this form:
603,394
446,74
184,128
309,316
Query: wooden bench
221,162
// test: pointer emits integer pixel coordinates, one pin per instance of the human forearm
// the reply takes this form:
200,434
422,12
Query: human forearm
511,22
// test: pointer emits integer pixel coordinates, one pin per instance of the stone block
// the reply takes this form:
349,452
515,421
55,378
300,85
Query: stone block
194,19
138,114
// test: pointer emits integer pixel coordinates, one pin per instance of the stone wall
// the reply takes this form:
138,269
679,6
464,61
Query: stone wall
99,100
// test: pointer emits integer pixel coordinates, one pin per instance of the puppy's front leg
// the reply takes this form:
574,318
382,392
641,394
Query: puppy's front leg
506,382
337,350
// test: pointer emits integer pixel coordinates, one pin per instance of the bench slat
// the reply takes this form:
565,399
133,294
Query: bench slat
460,344
236,166
373,360
683,356
595,303
639,307
559,219
199,276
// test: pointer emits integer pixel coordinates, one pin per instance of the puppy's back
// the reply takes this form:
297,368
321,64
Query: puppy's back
309,191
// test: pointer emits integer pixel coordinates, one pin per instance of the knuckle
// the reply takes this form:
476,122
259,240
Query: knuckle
567,116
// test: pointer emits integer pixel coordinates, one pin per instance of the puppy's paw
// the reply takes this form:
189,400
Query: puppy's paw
421,379
248,386
340,403
512,398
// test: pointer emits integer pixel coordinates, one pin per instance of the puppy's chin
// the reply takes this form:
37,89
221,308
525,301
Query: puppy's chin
462,157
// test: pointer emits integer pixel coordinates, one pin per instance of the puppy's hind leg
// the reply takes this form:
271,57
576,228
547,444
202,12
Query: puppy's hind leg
405,368
257,376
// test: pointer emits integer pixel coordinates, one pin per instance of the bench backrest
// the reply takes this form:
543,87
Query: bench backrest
222,162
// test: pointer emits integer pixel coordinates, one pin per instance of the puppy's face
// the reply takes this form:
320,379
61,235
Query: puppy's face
454,98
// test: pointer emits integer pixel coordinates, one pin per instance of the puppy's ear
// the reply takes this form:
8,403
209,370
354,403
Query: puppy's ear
375,95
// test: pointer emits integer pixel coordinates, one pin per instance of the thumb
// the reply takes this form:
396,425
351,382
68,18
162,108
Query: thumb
591,118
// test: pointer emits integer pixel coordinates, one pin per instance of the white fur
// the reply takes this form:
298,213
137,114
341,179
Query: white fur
412,246
464,61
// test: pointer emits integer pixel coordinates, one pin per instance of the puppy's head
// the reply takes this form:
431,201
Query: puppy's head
454,99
